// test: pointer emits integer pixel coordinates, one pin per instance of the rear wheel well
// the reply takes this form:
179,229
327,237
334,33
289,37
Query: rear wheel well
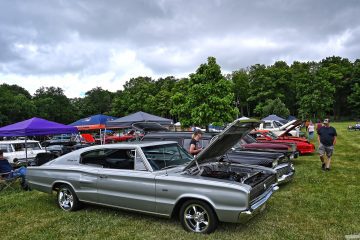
176,210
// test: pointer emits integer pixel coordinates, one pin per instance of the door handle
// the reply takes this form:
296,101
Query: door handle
103,176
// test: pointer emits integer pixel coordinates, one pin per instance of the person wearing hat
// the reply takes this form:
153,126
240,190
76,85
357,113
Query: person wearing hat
195,146
327,140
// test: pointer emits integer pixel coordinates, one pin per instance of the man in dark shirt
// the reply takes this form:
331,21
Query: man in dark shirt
327,140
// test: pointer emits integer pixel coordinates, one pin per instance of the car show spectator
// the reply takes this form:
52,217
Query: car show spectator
311,129
327,140
195,146
307,124
318,125
5,168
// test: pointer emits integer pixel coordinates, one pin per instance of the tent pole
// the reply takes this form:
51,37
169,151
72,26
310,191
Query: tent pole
26,153
100,137
105,136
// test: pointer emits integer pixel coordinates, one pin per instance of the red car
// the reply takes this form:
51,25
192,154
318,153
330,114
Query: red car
302,145
249,143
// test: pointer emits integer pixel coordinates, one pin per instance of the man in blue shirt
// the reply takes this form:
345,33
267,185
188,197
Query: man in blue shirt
5,167
327,140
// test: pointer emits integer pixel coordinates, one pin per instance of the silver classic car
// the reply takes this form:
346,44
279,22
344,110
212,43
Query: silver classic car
161,178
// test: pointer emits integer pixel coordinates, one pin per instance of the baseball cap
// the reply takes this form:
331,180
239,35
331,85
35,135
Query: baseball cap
326,120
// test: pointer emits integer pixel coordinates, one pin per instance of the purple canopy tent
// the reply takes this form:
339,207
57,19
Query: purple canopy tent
35,127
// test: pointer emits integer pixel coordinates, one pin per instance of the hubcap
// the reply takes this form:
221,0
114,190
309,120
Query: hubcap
196,218
66,199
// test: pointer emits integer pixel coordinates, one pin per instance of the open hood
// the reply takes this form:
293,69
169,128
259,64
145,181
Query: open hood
288,124
291,127
224,141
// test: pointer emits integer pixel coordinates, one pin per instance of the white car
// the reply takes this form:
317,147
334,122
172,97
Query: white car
14,150
279,128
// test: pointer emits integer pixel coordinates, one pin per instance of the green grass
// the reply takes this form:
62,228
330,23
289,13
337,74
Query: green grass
315,205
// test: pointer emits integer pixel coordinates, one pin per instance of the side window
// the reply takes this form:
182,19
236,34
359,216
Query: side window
95,158
110,158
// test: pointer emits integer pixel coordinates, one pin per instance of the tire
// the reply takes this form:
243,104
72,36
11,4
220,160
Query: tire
197,216
67,199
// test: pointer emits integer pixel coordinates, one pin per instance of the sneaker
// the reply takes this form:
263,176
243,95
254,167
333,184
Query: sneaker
327,169
323,166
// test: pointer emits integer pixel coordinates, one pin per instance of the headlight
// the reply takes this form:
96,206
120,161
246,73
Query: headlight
275,163
292,156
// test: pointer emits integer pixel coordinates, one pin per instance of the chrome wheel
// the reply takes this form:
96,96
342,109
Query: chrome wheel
66,199
196,218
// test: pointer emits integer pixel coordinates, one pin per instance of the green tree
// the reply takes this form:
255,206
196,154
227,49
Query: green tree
354,100
96,101
241,88
275,106
209,98
137,95
16,104
315,93
52,104
338,73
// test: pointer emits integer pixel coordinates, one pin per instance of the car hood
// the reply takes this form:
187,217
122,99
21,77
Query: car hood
224,141
286,125
292,126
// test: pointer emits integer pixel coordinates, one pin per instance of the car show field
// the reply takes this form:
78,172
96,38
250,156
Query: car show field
315,205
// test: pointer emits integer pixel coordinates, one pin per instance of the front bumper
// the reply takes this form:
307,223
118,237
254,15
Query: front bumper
258,206
285,177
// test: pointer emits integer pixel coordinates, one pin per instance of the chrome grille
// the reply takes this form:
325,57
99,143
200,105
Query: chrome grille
260,188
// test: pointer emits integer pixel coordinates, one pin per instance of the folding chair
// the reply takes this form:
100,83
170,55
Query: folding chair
7,180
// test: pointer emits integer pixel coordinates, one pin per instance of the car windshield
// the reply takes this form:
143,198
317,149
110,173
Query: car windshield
271,134
166,156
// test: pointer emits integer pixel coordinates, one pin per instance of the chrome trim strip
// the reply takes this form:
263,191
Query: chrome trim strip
127,209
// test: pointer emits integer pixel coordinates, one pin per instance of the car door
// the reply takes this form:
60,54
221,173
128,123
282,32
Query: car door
88,174
125,181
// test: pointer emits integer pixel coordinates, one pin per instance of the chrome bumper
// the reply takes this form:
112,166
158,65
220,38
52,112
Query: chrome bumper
258,206
288,176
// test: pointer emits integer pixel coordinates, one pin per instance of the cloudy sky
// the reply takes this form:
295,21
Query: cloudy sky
78,45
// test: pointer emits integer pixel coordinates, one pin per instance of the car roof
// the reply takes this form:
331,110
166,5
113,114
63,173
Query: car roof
17,141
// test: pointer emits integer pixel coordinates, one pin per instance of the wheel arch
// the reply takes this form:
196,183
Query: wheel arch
182,199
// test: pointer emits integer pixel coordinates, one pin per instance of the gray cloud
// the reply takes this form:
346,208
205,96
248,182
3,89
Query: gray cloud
87,38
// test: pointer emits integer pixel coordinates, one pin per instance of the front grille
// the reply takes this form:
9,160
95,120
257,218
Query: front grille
284,170
261,187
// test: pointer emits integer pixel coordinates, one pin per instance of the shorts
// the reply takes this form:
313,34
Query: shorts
328,150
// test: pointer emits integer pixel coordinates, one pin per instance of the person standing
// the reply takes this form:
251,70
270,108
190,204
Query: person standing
318,125
311,129
327,140
195,146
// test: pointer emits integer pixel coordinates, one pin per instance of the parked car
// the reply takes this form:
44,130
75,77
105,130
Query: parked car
276,160
279,128
250,143
15,151
161,178
302,144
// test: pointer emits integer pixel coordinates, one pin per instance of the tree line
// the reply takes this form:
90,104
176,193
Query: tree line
330,87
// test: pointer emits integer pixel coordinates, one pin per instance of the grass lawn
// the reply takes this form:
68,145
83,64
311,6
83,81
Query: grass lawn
315,205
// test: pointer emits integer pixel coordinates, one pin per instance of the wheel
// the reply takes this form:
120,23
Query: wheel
197,216
67,199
